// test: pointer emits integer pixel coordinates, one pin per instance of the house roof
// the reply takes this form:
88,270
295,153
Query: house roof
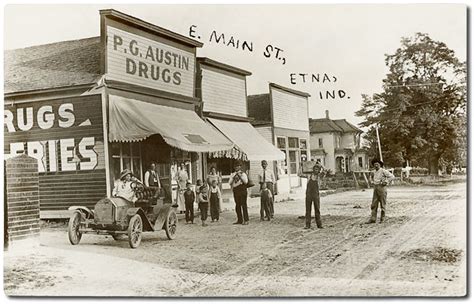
346,126
259,108
53,65
323,125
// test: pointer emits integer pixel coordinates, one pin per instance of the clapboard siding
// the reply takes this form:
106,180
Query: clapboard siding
290,111
266,133
223,93
58,188
116,63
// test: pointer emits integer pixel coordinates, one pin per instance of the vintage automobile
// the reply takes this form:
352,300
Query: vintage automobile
117,216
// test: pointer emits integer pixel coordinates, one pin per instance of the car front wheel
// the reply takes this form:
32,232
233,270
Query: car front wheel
135,228
171,224
73,228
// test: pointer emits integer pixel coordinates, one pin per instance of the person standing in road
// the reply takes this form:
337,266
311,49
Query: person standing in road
238,183
189,198
203,203
181,178
265,201
267,177
312,196
380,179
214,199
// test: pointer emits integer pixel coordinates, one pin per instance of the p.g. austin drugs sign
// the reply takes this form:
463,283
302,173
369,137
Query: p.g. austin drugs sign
138,60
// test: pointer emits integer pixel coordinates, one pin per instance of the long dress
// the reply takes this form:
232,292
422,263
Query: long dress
181,178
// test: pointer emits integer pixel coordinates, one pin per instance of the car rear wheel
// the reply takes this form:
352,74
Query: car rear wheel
171,224
135,228
73,228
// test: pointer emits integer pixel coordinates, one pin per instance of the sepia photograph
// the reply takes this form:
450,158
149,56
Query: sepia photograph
235,150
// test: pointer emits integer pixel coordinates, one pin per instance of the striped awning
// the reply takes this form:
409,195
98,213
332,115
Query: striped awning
134,120
248,140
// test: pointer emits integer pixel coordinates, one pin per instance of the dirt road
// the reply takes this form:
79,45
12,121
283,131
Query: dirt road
420,250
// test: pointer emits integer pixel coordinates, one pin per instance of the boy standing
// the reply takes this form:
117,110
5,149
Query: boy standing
214,198
203,204
189,198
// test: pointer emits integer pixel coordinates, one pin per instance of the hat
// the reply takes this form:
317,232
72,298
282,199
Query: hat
125,172
377,161
317,165
264,162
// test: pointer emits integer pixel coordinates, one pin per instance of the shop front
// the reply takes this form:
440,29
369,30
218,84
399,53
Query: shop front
282,117
118,101
251,148
223,91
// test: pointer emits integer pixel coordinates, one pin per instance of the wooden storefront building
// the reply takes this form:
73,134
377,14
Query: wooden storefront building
89,108
281,117
223,91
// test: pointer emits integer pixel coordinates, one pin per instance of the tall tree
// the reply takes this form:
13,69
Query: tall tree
422,108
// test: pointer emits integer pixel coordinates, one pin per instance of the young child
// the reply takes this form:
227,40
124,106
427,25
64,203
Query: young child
214,199
265,201
203,204
189,198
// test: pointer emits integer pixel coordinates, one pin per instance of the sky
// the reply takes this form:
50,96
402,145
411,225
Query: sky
347,42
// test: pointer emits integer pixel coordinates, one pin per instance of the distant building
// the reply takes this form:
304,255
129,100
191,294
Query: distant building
336,143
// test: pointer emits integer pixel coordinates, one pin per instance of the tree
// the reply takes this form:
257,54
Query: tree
422,109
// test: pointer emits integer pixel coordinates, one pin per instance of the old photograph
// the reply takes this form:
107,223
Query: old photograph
224,150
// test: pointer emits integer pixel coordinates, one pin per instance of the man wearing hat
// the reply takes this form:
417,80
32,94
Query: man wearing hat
238,183
123,187
267,177
381,178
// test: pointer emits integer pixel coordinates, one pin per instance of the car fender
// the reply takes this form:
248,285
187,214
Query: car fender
86,212
147,226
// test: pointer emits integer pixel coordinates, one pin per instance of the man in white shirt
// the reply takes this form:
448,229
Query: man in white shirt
381,178
238,183
266,176
151,178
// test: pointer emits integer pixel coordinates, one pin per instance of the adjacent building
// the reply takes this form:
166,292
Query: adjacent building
281,116
223,91
336,143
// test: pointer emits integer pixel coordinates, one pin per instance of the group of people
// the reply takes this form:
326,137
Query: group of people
208,195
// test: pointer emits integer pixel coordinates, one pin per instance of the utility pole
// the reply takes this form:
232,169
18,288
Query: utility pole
378,141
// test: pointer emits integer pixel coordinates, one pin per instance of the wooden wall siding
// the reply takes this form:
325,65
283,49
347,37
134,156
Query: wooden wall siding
222,93
22,201
82,183
116,63
289,110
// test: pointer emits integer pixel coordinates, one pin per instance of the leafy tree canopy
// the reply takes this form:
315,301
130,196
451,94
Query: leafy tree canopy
421,113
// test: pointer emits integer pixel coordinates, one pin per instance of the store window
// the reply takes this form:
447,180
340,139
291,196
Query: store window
293,142
126,156
361,164
303,150
281,143
293,162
